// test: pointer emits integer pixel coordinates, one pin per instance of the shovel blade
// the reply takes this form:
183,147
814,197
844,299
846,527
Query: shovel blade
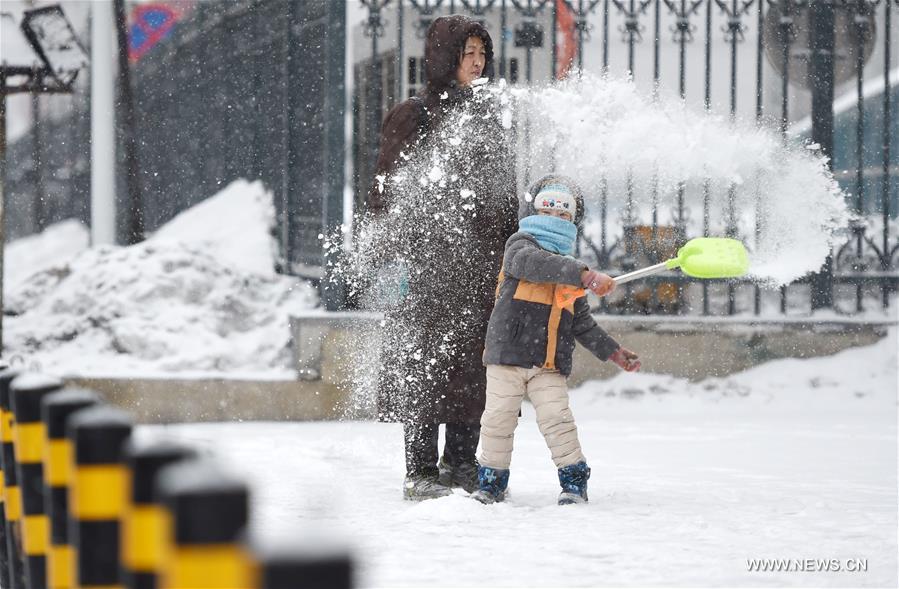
712,257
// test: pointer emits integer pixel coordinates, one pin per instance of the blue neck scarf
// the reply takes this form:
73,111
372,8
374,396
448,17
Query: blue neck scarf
552,233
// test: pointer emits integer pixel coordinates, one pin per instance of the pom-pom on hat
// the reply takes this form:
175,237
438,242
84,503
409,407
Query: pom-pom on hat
555,197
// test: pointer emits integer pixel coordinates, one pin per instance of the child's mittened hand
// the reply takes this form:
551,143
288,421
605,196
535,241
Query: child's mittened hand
627,360
598,283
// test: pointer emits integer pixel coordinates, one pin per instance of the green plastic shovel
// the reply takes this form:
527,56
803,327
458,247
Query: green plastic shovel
702,257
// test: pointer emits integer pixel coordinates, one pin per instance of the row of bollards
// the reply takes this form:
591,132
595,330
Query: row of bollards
84,505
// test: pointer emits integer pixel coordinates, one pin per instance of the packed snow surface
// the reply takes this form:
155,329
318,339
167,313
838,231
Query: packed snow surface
794,459
199,296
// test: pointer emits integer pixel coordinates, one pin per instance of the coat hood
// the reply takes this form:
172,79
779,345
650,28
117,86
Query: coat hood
443,49
526,205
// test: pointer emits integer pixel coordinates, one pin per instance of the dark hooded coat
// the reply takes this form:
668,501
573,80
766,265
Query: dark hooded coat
431,366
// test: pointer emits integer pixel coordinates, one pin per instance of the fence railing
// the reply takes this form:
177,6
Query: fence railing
249,89
769,52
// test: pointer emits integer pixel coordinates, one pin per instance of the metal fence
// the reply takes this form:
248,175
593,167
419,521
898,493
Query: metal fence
242,89
792,47
255,89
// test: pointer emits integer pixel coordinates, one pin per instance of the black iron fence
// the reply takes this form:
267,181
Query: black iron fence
255,89
783,57
241,89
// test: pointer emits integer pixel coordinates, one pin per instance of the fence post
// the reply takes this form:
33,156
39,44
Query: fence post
145,522
13,493
97,497
821,47
208,511
58,458
27,391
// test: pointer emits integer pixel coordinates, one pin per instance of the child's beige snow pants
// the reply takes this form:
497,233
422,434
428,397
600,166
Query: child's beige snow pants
548,391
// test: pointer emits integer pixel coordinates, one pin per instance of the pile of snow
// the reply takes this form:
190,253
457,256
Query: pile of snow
235,226
54,246
200,296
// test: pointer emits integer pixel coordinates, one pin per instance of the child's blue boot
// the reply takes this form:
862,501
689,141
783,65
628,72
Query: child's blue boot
573,479
492,483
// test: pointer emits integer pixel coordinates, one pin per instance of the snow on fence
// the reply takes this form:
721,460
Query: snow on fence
87,502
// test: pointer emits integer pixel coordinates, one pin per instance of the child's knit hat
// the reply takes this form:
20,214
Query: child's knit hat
553,191
555,197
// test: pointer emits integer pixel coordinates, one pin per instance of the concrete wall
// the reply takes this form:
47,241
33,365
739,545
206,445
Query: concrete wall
335,357
340,349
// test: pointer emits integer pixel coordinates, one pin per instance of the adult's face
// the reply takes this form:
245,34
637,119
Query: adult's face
471,66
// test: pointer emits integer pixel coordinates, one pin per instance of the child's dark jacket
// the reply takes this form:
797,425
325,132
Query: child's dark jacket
531,324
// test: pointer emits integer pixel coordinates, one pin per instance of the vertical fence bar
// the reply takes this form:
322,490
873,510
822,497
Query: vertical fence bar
37,165
734,30
787,35
605,37
631,24
504,32
284,140
859,228
554,54
886,258
656,41
58,457
682,33
400,29
581,27
604,182
821,44
374,28
655,249
759,105
707,185
27,391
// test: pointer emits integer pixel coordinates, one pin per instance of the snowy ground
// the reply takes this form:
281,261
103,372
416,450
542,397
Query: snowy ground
790,460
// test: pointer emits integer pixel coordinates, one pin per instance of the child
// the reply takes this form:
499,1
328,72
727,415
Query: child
531,337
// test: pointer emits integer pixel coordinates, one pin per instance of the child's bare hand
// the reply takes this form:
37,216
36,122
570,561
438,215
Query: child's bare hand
598,283
627,360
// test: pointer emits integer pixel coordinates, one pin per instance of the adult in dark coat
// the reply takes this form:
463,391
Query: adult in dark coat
452,238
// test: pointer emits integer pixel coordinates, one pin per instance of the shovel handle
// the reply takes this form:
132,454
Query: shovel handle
641,273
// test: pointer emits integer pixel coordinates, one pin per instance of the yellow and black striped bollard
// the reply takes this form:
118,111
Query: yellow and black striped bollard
146,521
305,568
27,392
11,490
58,459
208,511
4,556
97,496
